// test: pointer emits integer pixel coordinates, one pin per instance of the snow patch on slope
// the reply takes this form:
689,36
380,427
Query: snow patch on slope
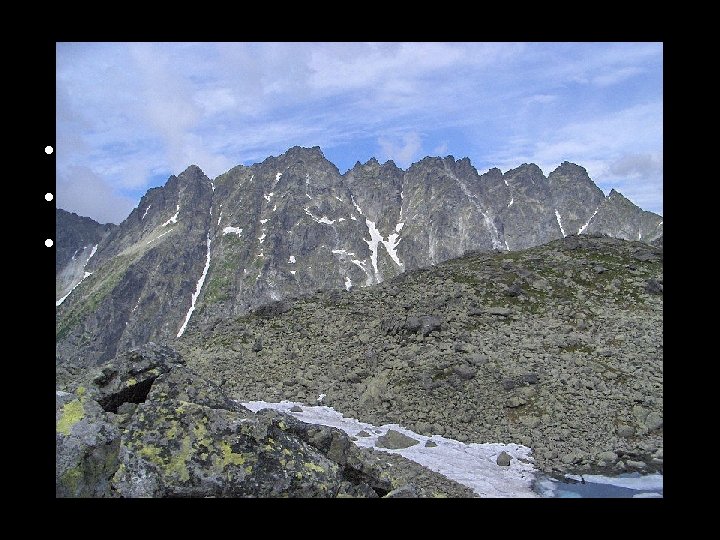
159,236
172,219
71,290
198,288
494,234
473,465
146,211
323,219
557,216
232,230
85,275
582,229
348,283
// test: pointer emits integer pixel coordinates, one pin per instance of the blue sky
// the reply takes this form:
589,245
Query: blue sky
131,114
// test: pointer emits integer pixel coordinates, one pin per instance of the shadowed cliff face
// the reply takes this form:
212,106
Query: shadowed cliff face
196,249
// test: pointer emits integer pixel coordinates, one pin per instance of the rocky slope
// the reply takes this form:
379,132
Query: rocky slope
558,347
76,239
198,249
147,426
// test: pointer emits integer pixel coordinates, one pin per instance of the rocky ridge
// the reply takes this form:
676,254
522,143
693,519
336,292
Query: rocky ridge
198,249
558,347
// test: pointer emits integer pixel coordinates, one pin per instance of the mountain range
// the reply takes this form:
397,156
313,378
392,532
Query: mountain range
198,250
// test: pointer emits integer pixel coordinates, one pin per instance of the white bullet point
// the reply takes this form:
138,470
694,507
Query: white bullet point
49,149
48,197
48,242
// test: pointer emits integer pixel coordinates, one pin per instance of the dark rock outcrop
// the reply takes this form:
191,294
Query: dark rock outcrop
183,437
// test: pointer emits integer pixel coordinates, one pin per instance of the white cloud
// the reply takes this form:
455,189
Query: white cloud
82,191
129,112
637,165
403,152
441,149
609,79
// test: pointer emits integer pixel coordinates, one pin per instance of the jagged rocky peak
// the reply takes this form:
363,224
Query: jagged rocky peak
575,197
526,174
195,249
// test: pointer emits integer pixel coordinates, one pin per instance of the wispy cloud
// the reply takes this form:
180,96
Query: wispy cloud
130,113
402,151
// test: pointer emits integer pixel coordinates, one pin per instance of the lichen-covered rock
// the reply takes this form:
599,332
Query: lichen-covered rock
86,447
187,438
182,449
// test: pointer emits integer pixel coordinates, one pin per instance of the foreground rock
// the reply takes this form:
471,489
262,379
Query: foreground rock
181,436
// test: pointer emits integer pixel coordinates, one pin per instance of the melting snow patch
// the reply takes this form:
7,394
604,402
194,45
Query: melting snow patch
362,265
557,216
212,185
174,218
356,205
473,465
291,260
512,200
375,239
71,290
506,182
159,236
262,237
263,221
322,219
277,179
399,227
353,217
348,283
494,234
232,230
390,245
582,229
293,272
146,211
198,287
343,252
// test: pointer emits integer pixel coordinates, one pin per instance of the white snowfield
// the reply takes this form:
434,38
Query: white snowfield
559,220
232,230
473,465
198,288
582,229
173,219
85,274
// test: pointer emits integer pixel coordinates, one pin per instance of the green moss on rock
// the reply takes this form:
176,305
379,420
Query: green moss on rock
72,413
